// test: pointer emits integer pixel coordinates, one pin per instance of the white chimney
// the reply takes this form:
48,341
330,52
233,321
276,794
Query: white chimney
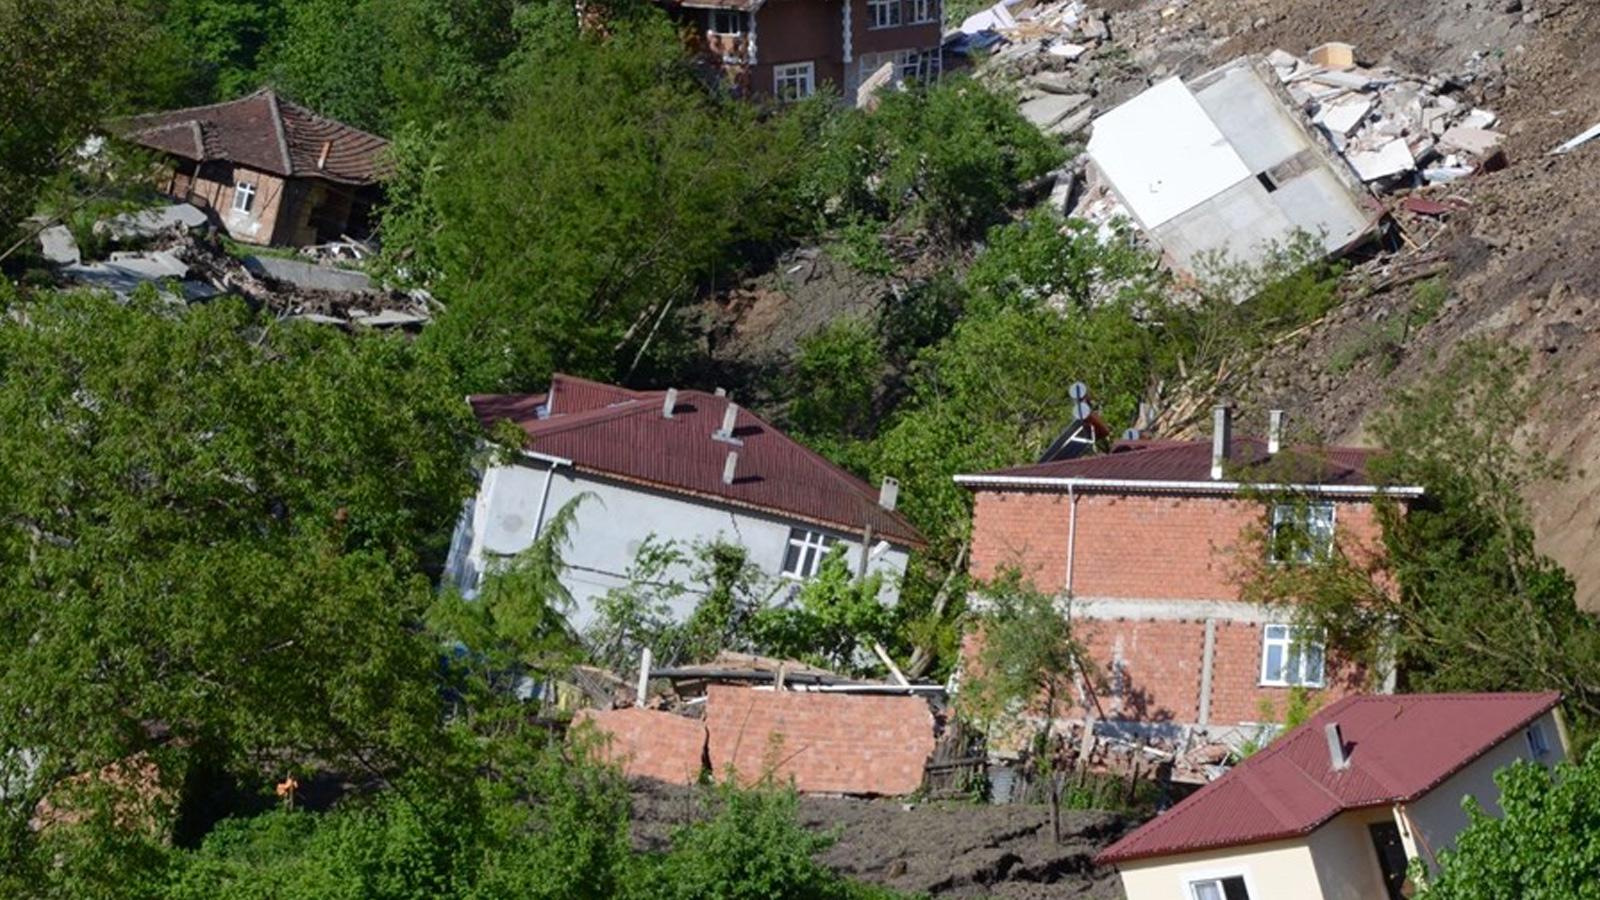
1337,757
1221,438
889,493
1275,431
730,467
722,392
670,403
730,416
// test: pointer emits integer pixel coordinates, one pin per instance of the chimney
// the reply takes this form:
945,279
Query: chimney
730,415
722,392
889,493
1221,437
322,157
670,403
730,467
1337,758
1275,431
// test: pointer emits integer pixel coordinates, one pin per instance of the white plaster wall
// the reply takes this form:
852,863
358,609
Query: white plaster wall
612,523
1437,817
1277,869
1346,860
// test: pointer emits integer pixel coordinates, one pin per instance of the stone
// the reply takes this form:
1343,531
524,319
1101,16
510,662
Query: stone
1048,109
1476,141
57,245
308,276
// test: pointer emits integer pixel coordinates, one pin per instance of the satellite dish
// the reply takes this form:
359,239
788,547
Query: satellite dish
1079,391
1083,411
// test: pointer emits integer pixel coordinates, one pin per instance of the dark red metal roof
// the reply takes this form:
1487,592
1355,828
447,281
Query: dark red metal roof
1400,747
1190,461
621,433
265,132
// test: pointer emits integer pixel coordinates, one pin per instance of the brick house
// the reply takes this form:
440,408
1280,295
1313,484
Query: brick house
789,49
271,171
1145,541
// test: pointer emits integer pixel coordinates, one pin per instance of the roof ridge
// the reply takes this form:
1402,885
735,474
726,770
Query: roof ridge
277,128
202,107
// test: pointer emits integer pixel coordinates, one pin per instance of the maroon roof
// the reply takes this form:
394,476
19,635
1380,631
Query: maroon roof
265,132
1190,461
1400,747
622,434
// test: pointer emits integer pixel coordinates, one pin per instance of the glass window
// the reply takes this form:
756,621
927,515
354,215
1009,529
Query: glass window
727,21
806,552
883,13
793,82
922,11
244,196
1537,745
1231,888
1289,658
1302,532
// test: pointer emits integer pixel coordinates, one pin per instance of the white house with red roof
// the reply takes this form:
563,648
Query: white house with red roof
1144,541
1337,808
679,465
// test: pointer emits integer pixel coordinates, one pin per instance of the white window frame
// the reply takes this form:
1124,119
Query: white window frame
1293,646
244,196
1308,516
813,547
922,12
802,76
1538,744
883,14
1195,884
736,15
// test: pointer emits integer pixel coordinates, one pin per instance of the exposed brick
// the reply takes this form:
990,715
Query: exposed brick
825,743
648,743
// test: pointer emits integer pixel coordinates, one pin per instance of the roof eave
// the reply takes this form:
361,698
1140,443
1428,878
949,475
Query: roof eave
1188,487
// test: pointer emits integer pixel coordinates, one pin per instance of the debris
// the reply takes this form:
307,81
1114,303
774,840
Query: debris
308,276
1334,55
867,93
1475,141
57,245
1046,110
1393,158
1067,50
1577,142
148,223
1342,116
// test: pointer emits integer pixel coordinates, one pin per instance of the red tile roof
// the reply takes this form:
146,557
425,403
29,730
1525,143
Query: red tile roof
1400,747
265,132
1190,462
622,434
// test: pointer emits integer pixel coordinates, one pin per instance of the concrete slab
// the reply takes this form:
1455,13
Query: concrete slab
1476,141
308,276
58,246
1045,111
1343,115
392,318
1390,159
153,221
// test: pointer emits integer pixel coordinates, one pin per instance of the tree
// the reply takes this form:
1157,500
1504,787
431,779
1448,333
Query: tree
214,537
829,619
332,55
1457,597
1024,672
1545,844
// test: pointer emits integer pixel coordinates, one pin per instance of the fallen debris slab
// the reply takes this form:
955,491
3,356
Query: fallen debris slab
308,276
648,743
148,223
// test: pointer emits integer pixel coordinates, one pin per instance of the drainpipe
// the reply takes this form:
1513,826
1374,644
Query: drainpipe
1072,533
544,493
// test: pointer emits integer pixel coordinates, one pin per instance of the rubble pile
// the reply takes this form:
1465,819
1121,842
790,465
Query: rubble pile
1395,130
1041,43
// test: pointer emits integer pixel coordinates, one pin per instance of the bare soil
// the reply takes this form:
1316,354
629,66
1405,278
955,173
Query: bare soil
942,849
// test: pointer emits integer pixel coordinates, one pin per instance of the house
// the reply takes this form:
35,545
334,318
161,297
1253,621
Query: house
1226,164
678,465
1337,808
271,171
789,49
1143,541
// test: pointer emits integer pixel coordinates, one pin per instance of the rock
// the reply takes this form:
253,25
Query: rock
58,246
1055,82
1045,111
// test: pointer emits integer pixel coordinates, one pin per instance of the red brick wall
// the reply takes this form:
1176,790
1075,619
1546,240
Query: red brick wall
648,743
1137,546
827,743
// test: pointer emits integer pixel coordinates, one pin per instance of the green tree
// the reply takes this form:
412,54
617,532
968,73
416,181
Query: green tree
836,378
829,618
332,55
214,531
1544,844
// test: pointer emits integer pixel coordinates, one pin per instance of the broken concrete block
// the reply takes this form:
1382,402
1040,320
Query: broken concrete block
1047,110
1476,141
57,245
1480,118
1393,158
1334,55
1343,115
1055,82
1067,50
390,318
152,266
151,222
1350,81
308,276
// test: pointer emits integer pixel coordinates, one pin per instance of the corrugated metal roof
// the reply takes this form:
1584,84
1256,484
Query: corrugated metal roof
622,434
247,132
1190,461
1400,747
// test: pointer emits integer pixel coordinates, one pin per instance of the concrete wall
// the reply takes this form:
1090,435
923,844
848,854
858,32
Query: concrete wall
1346,859
1278,869
613,523
1432,823
1148,573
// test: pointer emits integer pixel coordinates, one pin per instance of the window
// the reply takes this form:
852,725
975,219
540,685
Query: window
806,551
727,21
793,82
1230,888
883,13
910,65
1302,532
922,11
1537,745
244,196
1289,658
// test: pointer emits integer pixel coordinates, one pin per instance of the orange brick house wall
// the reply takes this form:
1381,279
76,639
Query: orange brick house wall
1149,570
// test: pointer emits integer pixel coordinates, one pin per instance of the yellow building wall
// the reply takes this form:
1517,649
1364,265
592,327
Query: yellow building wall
1280,869
1345,858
